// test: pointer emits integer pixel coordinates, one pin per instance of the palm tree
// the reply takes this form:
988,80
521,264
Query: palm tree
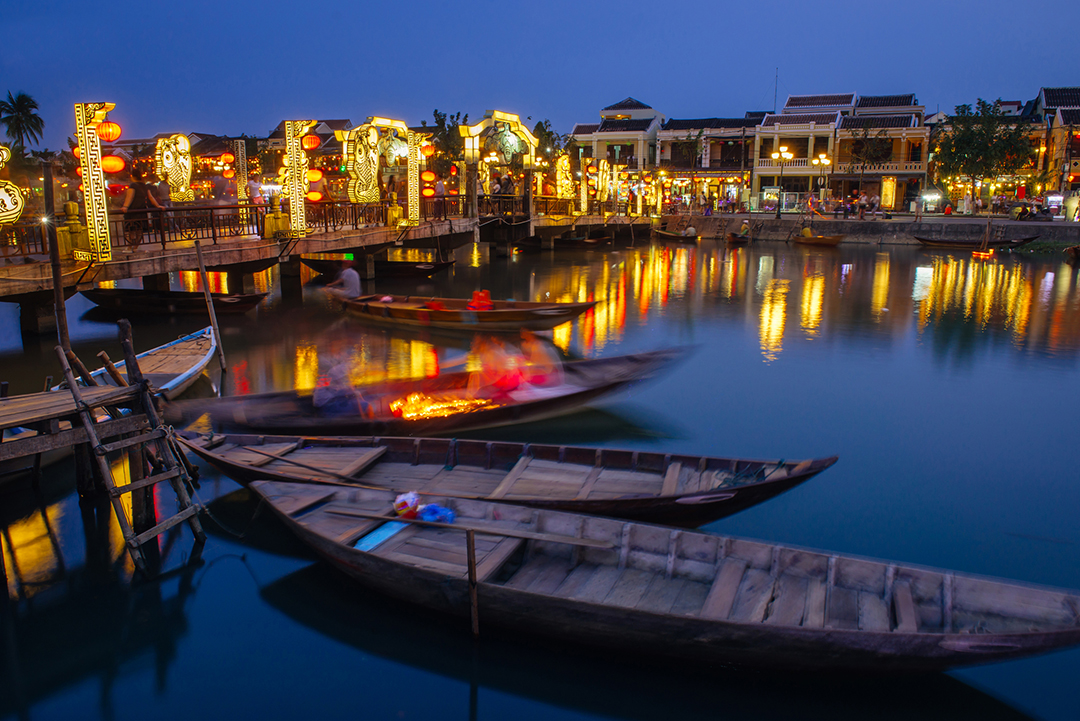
18,117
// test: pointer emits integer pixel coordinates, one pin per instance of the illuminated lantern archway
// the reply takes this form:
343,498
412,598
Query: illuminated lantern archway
11,198
502,135
361,147
89,119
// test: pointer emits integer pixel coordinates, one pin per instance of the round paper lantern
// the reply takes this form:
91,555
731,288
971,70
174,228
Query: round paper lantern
592,169
227,157
115,190
427,192
310,142
314,175
112,164
228,173
453,170
314,196
108,131
427,176
78,171
76,152
80,187
427,150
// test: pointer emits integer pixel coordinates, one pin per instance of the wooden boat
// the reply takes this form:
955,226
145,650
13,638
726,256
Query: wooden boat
134,300
651,590
171,369
425,406
454,314
679,490
974,243
822,240
736,239
383,268
676,237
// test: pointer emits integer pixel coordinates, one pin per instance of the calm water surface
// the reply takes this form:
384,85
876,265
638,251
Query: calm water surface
949,388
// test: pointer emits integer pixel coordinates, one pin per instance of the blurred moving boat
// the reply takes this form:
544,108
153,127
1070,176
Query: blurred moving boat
425,406
655,487
651,590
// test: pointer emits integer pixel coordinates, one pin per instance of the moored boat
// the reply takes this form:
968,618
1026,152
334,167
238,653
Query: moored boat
677,237
822,240
135,300
427,406
383,268
679,490
649,589
736,239
455,314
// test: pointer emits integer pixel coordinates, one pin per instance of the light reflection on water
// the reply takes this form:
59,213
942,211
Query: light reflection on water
947,385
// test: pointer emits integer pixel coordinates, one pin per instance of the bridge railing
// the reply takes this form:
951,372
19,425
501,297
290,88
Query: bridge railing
550,205
213,223
23,239
499,204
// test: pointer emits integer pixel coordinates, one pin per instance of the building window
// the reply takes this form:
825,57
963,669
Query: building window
914,152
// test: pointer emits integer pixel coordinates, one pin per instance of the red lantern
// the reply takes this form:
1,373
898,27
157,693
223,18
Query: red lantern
228,173
428,192
314,196
310,142
592,169
78,171
227,157
427,150
427,176
112,164
108,131
76,152
314,175
453,170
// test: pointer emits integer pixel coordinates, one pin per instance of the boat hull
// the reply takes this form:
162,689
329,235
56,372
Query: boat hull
505,317
130,300
820,240
976,244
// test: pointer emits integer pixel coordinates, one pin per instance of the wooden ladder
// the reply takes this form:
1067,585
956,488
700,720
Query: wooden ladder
165,458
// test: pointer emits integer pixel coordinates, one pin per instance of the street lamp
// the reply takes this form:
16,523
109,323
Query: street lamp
781,157
822,161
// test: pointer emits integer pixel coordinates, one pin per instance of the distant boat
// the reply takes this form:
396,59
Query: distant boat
454,313
679,490
974,243
647,590
824,240
736,239
677,237
136,300
383,268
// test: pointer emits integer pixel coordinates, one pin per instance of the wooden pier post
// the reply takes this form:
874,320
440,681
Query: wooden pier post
54,258
470,545
209,307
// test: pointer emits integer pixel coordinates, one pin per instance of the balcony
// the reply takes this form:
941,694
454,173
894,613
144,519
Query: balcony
794,163
894,166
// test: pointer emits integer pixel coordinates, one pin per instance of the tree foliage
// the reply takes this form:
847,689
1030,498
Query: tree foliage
982,143
550,143
19,119
449,145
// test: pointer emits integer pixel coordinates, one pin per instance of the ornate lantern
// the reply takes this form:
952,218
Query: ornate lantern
108,131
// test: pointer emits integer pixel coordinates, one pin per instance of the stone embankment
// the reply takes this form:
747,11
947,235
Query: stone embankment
898,231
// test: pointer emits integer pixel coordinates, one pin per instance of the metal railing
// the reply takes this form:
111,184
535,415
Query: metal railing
153,226
22,240
501,204
449,206
550,205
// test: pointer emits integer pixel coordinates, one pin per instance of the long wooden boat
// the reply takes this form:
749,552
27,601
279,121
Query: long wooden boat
676,237
647,589
679,490
974,243
736,239
383,268
454,314
426,406
134,300
822,240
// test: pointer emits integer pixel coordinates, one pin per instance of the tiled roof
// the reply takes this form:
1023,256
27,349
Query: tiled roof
819,101
585,128
338,124
1070,116
802,118
1061,97
878,121
625,126
756,114
211,147
711,123
886,101
629,104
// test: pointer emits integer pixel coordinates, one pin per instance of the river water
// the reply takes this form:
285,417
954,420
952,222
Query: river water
948,386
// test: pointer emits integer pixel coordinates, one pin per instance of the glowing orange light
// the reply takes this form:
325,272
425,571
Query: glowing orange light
78,171
310,142
108,131
76,152
453,170
427,150
419,405
112,164
592,169
314,196
314,175
228,173
227,157
427,176
427,192
453,192
80,185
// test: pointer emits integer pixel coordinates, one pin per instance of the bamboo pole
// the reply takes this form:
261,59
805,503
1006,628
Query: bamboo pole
210,306
470,545
59,308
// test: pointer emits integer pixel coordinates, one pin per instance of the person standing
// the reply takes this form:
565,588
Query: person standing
862,205
254,189
440,199
137,198
875,202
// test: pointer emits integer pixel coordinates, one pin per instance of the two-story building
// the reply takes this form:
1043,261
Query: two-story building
708,157
625,135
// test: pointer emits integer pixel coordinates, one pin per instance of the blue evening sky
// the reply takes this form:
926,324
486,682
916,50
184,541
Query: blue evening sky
231,68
